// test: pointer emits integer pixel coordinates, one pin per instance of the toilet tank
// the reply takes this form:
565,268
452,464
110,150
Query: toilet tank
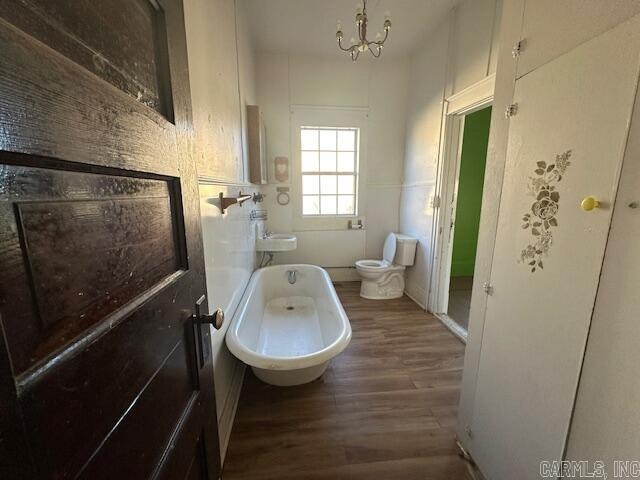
405,249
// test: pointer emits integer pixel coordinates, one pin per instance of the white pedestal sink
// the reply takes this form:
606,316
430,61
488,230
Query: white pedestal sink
277,242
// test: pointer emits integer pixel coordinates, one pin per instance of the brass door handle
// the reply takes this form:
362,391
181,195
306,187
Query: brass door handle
216,319
589,203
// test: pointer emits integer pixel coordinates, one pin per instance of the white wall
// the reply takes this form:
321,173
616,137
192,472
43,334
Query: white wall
458,54
379,86
230,259
221,70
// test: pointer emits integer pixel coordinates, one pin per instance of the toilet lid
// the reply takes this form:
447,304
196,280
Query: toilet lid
389,250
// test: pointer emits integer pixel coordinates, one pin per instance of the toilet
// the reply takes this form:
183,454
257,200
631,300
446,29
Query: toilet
384,279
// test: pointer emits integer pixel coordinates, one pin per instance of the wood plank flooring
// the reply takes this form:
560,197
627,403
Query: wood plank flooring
385,408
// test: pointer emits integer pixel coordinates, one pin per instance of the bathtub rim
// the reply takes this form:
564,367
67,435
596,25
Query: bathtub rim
255,359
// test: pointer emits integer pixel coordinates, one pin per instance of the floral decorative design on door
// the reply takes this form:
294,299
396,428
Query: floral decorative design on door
542,218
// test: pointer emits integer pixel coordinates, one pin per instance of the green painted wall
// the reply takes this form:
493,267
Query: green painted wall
472,164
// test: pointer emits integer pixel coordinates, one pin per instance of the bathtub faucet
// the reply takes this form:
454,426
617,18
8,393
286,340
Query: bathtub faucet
291,276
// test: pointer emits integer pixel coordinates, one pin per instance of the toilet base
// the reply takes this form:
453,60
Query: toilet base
383,289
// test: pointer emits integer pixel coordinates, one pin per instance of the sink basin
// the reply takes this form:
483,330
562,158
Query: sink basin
277,242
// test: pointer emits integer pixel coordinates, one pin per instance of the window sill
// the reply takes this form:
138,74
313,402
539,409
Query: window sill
326,223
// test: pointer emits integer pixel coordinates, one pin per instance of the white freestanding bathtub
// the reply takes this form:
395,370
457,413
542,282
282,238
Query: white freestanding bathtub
287,332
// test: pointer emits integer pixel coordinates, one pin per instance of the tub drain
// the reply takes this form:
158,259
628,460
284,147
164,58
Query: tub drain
290,308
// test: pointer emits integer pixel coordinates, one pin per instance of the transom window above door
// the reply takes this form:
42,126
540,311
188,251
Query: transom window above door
329,167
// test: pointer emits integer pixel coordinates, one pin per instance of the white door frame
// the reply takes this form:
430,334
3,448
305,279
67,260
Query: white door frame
469,100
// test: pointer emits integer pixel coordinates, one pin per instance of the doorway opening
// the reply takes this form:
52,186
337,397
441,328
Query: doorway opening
462,202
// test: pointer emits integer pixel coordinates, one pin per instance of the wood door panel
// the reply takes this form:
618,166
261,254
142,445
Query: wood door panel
51,107
91,385
198,448
197,469
132,57
162,404
101,258
126,261
114,238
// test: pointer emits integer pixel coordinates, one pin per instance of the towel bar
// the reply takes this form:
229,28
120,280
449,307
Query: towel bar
226,202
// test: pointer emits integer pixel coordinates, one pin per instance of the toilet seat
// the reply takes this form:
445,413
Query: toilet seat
379,266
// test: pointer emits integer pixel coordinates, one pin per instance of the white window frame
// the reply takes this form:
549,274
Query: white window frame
327,117
352,174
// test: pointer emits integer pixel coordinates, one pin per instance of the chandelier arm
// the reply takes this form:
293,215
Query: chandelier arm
379,52
341,47
381,42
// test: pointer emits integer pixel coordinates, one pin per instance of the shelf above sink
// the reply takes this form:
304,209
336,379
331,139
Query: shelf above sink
277,242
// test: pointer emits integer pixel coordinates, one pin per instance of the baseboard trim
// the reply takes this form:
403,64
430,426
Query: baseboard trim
343,274
415,296
228,415
450,323
472,467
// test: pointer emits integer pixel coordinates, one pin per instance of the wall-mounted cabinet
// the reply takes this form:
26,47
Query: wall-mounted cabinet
257,142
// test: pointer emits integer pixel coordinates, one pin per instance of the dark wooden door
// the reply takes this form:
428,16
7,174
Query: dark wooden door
103,371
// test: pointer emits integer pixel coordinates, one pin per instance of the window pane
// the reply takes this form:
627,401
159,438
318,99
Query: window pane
327,161
310,184
328,184
309,161
309,139
328,204
346,205
345,184
327,140
310,205
346,140
346,161
328,165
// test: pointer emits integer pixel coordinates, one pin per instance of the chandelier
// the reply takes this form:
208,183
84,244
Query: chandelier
362,45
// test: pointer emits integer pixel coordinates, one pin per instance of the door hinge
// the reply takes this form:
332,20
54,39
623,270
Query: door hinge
517,49
511,110
435,201
488,288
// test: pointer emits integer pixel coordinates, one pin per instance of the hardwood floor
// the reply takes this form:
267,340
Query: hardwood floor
460,289
385,408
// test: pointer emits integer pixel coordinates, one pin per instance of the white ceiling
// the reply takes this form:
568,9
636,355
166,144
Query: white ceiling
308,27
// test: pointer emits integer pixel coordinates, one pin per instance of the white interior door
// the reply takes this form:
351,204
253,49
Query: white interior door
565,143
450,199
606,418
